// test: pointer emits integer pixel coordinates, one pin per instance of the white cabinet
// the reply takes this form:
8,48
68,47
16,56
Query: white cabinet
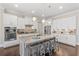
0,28
67,39
9,20
28,20
20,23
35,25
72,40
64,23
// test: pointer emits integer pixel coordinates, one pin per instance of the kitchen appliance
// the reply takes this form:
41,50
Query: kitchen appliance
47,29
10,33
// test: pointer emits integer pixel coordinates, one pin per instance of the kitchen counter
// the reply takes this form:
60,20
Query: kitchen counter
29,40
15,42
63,38
25,41
29,34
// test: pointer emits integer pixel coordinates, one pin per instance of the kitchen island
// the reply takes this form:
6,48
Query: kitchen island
34,45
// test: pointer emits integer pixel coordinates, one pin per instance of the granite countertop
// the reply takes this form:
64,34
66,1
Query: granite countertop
29,34
30,40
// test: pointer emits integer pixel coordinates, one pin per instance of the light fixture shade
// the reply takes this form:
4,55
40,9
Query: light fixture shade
34,19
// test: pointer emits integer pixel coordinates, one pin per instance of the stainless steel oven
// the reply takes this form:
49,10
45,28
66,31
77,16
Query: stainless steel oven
10,33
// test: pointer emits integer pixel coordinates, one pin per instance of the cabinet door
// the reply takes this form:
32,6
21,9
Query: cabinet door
9,20
61,38
20,23
68,39
72,40
0,28
28,20
35,25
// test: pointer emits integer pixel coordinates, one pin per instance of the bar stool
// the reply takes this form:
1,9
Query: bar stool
47,48
56,44
53,45
42,50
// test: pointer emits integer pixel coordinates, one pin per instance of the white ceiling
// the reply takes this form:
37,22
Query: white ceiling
41,8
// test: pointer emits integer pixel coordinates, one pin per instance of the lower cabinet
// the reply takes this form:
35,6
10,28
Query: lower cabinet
67,39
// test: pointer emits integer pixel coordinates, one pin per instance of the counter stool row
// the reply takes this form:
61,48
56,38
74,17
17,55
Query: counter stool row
43,49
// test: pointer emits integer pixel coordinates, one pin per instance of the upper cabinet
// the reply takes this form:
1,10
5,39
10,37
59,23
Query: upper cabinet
63,23
28,20
20,23
0,27
9,20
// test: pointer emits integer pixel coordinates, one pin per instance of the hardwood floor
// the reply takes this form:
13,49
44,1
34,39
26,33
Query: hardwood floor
64,50
10,51
77,50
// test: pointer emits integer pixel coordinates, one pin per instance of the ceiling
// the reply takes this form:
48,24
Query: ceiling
41,9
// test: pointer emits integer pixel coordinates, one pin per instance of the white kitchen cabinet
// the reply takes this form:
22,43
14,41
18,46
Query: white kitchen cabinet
67,39
0,27
64,23
35,25
72,40
20,23
9,20
28,20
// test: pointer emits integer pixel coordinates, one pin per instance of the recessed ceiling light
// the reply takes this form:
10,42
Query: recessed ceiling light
33,11
60,7
16,5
